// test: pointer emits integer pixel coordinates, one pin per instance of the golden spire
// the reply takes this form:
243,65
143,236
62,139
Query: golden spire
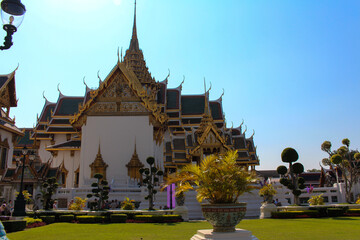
207,106
134,43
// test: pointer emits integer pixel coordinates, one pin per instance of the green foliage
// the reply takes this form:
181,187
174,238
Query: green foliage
47,219
27,196
150,179
346,142
118,218
282,170
157,218
336,159
296,192
279,229
267,190
336,212
326,146
358,200
301,180
100,191
90,219
49,187
78,204
30,221
295,214
316,200
291,180
284,181
298,168
289,155
66,218
219,179
14,225
128,204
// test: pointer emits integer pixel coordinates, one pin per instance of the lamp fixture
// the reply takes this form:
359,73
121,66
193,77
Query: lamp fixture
12,15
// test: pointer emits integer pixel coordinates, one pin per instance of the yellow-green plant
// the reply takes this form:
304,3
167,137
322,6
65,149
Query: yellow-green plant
128,204
219,179
27,196
267,192
32,220
358,200
316,200
78,204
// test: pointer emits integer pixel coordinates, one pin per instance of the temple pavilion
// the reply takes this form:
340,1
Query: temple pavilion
130,116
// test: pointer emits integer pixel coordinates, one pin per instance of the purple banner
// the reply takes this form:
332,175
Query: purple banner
170,196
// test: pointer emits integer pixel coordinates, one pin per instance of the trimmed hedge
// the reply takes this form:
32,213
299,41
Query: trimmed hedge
157,218
336,212
118,218
47,219
295,214
30,221
66,218
31,214
14,225
90,219
353,212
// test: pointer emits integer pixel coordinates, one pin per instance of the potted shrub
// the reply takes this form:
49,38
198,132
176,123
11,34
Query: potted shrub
267,192
220,181
316,200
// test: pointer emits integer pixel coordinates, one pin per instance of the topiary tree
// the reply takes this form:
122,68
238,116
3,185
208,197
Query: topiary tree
151,178
347,160
100,191
290,177
49,187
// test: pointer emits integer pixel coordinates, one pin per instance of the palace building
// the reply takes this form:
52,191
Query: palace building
113,129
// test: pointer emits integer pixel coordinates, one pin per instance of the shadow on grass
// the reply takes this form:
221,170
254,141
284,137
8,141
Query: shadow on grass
343,218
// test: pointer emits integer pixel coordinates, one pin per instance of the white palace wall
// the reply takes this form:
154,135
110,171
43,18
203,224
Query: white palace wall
116,136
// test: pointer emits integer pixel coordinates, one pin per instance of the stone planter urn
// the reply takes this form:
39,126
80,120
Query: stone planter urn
268,198
224,217
180,208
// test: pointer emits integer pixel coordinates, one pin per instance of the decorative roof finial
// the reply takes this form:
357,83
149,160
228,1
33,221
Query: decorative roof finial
207,105
182,82
134,43
100,81
121,55
46,101
85,82
118,55
222,95
253,134
58,88
99,151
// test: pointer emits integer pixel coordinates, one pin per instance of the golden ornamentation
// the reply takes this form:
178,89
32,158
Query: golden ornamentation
98,166
134,166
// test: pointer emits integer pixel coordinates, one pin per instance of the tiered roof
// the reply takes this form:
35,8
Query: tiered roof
8,100
188,125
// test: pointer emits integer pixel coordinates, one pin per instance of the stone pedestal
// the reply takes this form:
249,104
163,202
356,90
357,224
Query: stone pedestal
266,209
208,234
183,211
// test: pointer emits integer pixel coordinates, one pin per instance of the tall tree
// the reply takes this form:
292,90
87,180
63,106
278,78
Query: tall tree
347,160
151,178
100,191
290,177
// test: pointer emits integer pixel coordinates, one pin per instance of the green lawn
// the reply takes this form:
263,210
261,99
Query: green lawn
342,228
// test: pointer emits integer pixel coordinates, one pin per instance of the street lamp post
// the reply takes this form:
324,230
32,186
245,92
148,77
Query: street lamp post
19,207
12,14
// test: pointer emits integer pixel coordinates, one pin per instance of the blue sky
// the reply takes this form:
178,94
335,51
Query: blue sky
290,69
